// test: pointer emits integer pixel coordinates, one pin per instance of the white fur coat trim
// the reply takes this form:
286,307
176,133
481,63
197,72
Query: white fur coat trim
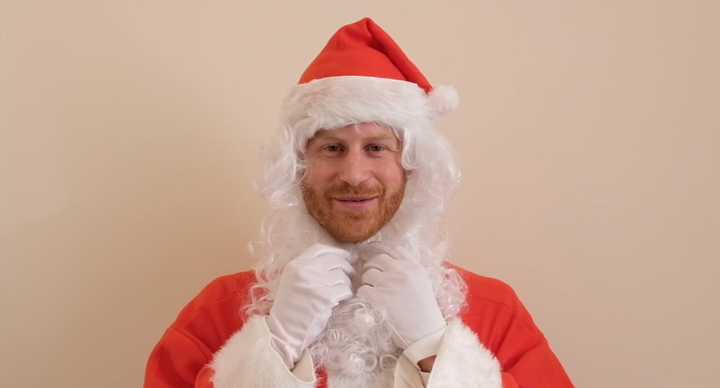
248,360
334,102
464,362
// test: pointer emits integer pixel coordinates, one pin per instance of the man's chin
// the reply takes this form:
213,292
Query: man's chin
349,235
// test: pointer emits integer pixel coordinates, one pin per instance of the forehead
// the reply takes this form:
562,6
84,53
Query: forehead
357,132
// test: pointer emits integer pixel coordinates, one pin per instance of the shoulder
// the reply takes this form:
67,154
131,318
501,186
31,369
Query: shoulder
220,300
200,329
492,301
489,289
485,288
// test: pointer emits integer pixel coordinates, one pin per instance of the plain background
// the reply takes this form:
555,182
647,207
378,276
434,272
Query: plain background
588,132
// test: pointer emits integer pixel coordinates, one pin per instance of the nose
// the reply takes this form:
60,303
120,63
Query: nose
355,168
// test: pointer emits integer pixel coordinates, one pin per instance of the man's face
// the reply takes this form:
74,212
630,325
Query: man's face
354,182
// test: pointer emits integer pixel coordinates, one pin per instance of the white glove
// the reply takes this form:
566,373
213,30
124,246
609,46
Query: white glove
395,283
310,286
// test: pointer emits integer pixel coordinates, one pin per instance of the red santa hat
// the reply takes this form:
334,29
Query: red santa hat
362,75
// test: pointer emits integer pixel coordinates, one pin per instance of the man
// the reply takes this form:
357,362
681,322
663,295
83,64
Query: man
351,289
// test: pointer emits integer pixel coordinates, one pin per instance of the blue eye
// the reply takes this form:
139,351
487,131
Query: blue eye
332,148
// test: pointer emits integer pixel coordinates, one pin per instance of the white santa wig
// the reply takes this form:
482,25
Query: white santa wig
433,176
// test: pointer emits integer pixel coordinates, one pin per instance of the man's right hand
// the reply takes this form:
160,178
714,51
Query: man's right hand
310,286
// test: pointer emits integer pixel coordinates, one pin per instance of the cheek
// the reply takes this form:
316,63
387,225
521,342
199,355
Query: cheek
317,174
392,176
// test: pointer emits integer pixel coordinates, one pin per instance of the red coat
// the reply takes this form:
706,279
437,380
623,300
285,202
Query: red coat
494,315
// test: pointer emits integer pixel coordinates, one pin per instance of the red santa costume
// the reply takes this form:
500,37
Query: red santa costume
222,338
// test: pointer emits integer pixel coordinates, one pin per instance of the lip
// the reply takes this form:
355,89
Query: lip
355,203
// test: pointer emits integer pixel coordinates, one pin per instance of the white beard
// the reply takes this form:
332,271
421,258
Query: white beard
356,348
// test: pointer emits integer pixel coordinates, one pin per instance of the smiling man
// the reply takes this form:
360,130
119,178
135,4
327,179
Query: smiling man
351,287
354,181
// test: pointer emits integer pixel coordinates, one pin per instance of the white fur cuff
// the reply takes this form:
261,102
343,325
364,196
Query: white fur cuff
248,360
464,362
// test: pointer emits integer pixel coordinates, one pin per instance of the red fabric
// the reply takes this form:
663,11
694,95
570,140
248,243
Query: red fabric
493,312
364,49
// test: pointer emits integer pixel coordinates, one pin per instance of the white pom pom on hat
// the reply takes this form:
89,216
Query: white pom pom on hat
442,100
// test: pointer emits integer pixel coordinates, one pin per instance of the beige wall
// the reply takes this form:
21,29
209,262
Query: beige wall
588,132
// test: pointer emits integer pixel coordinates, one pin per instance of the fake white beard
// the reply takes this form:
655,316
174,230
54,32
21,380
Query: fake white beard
356,342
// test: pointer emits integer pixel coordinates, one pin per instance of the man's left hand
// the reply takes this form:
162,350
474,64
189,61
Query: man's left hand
396,284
